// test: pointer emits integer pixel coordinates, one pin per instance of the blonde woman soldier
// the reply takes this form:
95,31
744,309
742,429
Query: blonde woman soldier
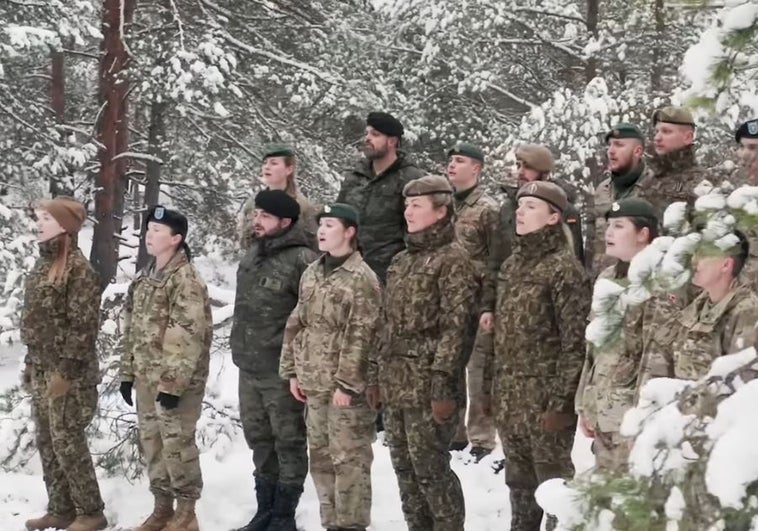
59,326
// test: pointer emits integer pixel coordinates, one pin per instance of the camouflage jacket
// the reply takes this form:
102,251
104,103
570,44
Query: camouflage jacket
669,178
476,225
333,330
60,321
543,301
268,278
608,385
705,331
307,221
379,201
606,193
168,329
430,289
506,233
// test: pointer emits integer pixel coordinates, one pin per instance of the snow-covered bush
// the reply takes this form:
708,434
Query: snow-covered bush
693,466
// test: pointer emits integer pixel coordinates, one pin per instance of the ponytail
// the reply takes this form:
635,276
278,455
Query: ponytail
186,249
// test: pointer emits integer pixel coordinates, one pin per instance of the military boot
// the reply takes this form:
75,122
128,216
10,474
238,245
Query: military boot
50,521
89,522
163,511
184,519
264,493
285,503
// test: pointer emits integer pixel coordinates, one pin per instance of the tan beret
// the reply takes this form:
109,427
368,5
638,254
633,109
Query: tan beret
547,191
536,157
67,211
428,185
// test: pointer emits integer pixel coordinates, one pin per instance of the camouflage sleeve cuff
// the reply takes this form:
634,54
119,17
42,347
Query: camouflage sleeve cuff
69,368
348,391
443,386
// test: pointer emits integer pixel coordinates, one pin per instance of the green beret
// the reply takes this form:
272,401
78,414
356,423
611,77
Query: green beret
278,150
632,207
466,150
673,115
625,130
427,185
340,210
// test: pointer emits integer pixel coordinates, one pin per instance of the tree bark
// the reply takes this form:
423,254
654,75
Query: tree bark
113,134
58,104
156,140
656,74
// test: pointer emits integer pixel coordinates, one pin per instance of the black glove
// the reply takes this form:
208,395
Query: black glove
167,401
126,392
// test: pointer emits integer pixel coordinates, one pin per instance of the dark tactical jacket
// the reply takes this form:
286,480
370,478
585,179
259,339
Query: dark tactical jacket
380,203
268,278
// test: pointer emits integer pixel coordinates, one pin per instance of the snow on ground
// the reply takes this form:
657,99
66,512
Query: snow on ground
228,499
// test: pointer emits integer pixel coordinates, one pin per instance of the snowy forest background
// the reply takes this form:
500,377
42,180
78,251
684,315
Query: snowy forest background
124,104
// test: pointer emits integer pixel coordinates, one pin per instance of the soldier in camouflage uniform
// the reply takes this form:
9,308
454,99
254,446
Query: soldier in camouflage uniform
721,320
59,325
431,288
268,279
625,146
608,384
747,140
476,224
673,172
278,173
329,338
375,189
167,340
543,300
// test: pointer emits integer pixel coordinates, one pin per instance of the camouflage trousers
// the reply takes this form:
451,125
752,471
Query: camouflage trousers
167,438
274,426
62,444
430,492
611,452
478,428
339,440
532,456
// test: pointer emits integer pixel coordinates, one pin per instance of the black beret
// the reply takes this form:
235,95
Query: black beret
171,218
747,130
278,203
385,123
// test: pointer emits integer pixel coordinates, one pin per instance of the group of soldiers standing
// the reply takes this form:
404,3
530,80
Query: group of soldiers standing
408,297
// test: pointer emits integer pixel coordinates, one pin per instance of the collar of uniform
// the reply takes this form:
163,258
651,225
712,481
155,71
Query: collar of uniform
678,160
542,242
434,237
703,312
159,277
623,183
351,264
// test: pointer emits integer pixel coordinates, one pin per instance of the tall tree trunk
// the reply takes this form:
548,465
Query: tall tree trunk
58,104
156,140
659,45
113,134
593,15
592,164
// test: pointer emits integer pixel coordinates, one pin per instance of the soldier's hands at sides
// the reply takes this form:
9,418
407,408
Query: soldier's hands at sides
167,401
296,391
487,321
26,377
126,392
57,386
341,398
585,427
374,397
557,421
442,410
